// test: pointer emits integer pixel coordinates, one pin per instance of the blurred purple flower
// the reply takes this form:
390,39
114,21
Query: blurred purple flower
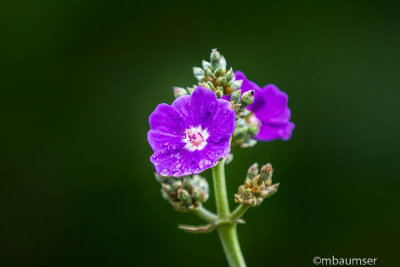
270,108
192,134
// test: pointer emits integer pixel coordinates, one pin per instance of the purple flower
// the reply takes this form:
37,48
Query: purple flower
192,134
270,108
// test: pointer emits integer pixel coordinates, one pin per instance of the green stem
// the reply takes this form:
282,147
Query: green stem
239,211
221,197
226,229
230,243
206,215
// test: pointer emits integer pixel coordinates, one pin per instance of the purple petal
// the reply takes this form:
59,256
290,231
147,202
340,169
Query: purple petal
246,84
221,124
159,140
182,162
271,132
169,162
182,105
270,105
166,119
203,108
216,151
168,125
201,105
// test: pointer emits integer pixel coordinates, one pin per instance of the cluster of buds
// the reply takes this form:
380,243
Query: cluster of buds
258,186
246,126
213,75
186,193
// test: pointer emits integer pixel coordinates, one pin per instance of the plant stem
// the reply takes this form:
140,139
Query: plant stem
239,211
206,215
221,198
230,243
226,230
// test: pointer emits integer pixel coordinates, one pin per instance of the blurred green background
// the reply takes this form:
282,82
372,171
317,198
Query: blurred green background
80,78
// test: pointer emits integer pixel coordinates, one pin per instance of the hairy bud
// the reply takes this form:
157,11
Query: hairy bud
257,186
185,193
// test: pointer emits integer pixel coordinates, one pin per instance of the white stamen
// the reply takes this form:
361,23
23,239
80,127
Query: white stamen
195,138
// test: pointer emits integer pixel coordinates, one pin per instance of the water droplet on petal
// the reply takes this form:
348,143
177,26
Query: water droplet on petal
204,163
164,172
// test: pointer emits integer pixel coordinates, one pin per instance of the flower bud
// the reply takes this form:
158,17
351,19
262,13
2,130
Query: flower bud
235,97
236,107
191,89
219,92
229,75
253,171
208,74
266,173
254,128
179,91
219,72
215,73
247,192
221,81
237,84
215,57
257,186
198,73
248,98
222,62
184,193
205,64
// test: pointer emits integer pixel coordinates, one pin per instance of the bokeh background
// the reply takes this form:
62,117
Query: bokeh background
80,78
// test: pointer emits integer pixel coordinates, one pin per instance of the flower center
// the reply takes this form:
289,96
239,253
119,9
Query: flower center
195,138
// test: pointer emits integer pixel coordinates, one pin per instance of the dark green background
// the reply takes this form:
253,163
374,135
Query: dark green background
80,78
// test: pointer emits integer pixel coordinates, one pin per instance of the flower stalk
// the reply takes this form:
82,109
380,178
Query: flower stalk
206,215
226,229
238,212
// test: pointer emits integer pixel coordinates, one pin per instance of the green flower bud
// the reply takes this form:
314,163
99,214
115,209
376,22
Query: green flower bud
236,107
222,62
253,171
237,84
266,173
186,183
179,91
200,185
215,57
191,89
198,73
240,132
208,73
219,92
269,191
184,197
205,64
254,128
235,97
215,73
221,81
229,75
248,98
247,193
184,193
219,72
257,186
